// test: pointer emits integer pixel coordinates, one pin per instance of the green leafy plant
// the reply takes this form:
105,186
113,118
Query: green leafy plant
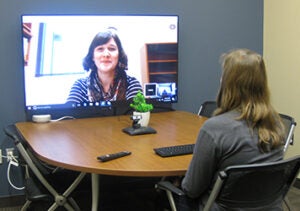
139,103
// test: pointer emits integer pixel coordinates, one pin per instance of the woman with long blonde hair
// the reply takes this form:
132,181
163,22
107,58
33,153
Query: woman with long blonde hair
245,128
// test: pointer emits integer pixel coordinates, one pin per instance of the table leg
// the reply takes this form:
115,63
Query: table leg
95,191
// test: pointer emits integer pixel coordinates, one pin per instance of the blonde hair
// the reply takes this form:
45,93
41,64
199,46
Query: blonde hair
244,88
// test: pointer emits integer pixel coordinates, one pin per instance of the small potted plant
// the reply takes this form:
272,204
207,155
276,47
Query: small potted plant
141,108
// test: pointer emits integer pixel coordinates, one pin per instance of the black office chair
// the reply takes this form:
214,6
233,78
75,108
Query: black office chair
43,182
246,186
290,125
207,108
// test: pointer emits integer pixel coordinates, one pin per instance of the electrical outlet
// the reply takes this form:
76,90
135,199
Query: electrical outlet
9,154
0,156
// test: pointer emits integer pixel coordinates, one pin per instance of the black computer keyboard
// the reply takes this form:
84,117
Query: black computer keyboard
175,150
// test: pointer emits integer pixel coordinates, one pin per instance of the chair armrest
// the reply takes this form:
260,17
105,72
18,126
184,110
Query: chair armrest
168,186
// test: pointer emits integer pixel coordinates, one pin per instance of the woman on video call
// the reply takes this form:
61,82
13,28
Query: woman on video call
245,128
106,60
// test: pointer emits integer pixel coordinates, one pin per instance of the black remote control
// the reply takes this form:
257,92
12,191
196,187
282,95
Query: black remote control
108,157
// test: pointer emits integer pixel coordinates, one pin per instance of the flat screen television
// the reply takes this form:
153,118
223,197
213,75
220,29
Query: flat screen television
62,56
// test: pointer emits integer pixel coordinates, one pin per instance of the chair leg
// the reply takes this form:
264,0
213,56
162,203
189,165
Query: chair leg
63,200
287,203
26,205
74,204
171,200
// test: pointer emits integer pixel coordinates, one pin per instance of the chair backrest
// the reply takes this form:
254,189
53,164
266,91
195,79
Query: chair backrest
207,108
289,124
254,185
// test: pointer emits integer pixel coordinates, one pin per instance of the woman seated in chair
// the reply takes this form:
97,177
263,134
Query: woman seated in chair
245,128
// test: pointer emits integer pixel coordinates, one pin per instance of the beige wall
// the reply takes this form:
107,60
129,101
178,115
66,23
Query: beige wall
282,56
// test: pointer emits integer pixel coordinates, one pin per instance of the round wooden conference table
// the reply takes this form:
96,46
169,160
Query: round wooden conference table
75,144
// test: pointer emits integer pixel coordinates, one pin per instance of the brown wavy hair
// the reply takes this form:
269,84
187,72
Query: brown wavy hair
120,74
244,88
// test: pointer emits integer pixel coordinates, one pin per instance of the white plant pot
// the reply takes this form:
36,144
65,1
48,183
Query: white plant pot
145,118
